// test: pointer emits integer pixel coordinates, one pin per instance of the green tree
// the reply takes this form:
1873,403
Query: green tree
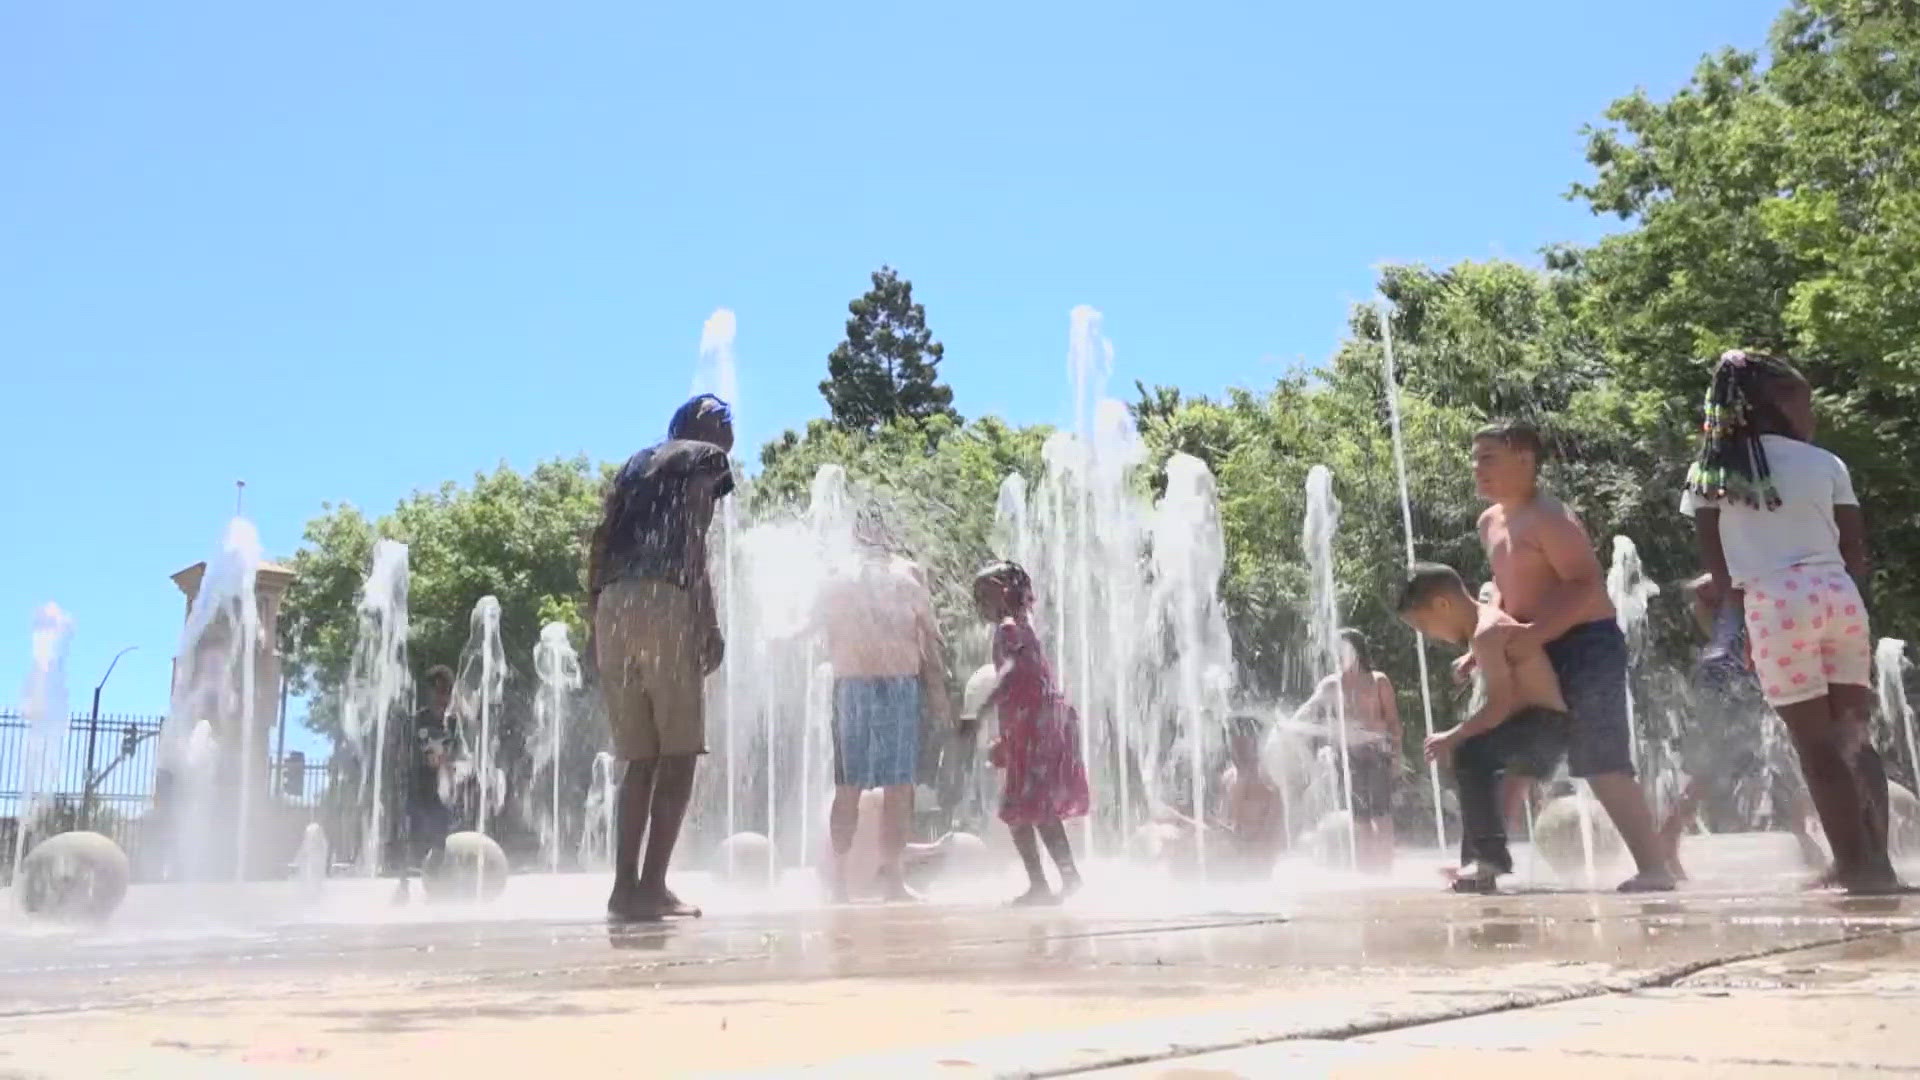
888,367
1777,204
519,537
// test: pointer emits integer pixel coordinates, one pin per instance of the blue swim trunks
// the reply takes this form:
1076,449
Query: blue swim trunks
876,731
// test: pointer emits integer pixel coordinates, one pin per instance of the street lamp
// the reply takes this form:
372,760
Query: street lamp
93,730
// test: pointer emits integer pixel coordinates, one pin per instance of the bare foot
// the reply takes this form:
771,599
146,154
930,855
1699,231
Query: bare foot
626,905
1648,881
1037,896
1824,880
669,906
1881,882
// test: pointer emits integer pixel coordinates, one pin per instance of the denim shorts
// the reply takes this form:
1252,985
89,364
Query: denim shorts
876,731
1591,663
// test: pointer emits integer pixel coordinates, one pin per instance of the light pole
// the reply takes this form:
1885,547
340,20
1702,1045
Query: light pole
93,730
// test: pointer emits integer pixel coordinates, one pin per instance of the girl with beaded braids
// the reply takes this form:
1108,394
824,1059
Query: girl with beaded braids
1780,528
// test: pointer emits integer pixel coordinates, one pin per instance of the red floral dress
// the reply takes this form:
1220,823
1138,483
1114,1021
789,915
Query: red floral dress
1039,744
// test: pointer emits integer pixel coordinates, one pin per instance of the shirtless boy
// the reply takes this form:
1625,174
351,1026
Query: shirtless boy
1373,745
1547,577
1517,724
1255,817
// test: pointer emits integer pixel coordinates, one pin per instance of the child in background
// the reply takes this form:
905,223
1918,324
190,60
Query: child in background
1372,714
1039,740
1779,526
1517,725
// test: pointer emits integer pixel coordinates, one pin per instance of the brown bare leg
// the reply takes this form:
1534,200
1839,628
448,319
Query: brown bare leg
631,811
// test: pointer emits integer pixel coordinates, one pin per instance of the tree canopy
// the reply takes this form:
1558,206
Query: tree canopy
516,536
888,367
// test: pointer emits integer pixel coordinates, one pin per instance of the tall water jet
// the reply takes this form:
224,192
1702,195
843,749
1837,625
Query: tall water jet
478,691
1316,540
1080,530
596,819
1391,381
211,713
379,685
1630,591
557,668
1011,537
1189,556
43,703
1890,667
717,374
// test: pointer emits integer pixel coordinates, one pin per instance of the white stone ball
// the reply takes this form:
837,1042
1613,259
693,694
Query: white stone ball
470,867
1557,836
74,876
744,859
969,855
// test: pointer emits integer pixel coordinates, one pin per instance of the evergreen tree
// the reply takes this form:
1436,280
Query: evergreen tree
888,366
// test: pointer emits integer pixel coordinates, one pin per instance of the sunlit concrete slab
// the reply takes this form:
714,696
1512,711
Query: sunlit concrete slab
1134,973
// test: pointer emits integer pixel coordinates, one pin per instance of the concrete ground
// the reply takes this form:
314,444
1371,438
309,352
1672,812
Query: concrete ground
1134,979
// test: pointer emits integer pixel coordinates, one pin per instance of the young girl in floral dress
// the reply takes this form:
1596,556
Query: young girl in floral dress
1039,740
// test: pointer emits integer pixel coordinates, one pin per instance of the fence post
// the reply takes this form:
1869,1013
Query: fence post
86,789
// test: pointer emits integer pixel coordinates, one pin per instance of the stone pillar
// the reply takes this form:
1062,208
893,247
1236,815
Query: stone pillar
270,588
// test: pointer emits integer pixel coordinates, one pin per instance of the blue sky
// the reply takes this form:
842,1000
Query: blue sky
343,251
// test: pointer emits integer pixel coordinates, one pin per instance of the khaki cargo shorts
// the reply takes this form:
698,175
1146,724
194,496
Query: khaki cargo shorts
648,636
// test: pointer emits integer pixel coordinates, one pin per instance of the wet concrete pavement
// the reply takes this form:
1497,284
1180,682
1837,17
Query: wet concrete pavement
1361,980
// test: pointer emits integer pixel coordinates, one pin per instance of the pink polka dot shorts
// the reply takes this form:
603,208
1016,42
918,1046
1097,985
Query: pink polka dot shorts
1809,631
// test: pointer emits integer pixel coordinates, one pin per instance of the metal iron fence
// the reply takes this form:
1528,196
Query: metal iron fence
103,779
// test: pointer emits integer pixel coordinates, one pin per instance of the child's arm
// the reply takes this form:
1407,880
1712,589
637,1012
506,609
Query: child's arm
1389,711
1713,555
1496,671
1496,674
1853,539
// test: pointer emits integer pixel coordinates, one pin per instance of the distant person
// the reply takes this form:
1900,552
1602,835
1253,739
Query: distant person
876,615
1547,577
427,819
1517,722
1780,527
1373,744
1243,840
1255,814
656,638
1718,750
1039,739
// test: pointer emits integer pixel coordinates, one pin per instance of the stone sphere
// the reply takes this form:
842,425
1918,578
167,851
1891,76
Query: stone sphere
1903,830
470,867
74,875
1154,841
1557,837
743,859
968,855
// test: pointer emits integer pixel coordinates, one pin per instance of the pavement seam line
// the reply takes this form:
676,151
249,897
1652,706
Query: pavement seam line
1657,979
455,981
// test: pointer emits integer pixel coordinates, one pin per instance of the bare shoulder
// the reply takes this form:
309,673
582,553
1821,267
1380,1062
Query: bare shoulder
1490,517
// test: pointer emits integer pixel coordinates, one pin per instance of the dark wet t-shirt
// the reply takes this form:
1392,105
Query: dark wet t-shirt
658,526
